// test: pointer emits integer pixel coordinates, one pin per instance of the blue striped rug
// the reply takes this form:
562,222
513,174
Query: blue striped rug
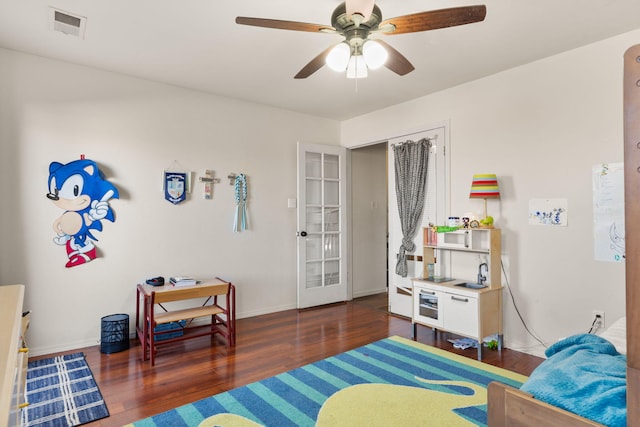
61,392
394,381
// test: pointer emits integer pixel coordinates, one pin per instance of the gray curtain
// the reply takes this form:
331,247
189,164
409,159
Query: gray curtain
411,160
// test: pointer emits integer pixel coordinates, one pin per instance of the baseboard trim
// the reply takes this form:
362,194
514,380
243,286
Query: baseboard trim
368,292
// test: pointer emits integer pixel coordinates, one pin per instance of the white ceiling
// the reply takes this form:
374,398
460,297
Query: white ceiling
196,44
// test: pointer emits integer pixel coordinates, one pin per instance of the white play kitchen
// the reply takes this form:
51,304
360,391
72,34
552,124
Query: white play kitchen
461,289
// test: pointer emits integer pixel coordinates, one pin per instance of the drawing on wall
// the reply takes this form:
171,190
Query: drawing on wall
80,190
608,212
551,212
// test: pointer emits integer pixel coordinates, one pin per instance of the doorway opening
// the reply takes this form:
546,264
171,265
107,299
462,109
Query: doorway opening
375,225
369,220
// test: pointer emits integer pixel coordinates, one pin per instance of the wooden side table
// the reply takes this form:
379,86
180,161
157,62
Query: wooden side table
223,318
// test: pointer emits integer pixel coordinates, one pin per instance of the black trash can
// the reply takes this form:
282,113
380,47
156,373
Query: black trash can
114,334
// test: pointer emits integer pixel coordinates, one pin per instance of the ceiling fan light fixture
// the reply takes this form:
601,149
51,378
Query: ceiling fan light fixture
360,7
357,68
355,20
375,55
338,57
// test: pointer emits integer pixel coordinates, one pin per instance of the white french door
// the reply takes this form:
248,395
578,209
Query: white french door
322,225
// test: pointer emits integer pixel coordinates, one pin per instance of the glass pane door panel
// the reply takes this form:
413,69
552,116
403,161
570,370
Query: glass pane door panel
332,219
314,192
314,219
332,193
331,273
313,164
314,274
331,166
331,246
314,246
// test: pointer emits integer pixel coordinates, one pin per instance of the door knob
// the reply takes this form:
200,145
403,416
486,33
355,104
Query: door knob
302,233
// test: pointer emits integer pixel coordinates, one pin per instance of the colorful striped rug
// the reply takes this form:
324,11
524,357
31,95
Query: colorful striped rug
394,381
61,392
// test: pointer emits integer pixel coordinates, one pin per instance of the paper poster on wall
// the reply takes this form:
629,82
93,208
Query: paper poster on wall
549,212
608,212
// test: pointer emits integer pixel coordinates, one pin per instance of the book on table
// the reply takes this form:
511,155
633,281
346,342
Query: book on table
182,281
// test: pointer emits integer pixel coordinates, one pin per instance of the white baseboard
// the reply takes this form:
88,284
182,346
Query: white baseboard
532,349
76,345
368,292
89,342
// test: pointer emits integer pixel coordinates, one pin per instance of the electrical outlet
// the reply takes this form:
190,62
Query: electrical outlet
599,316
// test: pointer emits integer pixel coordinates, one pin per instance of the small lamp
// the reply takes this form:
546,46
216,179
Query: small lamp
484,186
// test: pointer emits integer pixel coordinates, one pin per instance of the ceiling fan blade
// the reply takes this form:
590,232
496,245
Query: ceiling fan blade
283,25
314,65
435,19
396,61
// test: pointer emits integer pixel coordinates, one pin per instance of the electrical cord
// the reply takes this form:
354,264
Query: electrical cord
513,300
594,326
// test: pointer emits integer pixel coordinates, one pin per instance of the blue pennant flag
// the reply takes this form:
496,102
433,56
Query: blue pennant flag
175,186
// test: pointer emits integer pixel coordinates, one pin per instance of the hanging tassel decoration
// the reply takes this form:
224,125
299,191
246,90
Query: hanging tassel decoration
240,219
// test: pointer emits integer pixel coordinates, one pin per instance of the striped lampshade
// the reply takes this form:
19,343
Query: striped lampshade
484,186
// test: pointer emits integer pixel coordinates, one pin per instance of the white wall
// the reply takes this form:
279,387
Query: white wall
55,111
540,128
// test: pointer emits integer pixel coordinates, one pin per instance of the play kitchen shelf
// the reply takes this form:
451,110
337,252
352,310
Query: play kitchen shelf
471,307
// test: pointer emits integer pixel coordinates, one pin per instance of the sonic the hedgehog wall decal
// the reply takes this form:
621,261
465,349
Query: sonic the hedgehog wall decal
79,188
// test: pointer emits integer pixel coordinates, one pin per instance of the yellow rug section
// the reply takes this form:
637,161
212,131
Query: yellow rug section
394,405
228,420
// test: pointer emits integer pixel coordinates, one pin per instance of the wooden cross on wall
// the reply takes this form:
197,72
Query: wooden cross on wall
208,180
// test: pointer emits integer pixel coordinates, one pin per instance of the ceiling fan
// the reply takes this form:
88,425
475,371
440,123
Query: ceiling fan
356,21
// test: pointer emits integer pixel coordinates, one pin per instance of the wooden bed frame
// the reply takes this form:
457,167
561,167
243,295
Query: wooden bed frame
510,407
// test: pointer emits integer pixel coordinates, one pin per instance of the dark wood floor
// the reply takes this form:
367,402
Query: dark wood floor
266,345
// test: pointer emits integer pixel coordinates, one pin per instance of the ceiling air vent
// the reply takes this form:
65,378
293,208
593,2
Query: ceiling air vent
66,23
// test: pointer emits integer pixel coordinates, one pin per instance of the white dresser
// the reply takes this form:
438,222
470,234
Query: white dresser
13,354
